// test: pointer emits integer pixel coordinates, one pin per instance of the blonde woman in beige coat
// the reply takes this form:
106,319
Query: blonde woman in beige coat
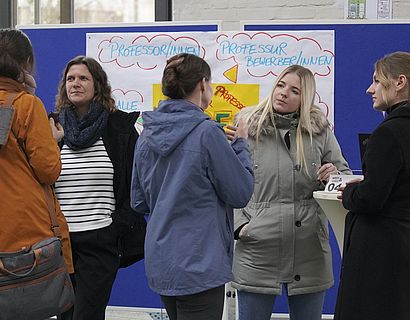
283,236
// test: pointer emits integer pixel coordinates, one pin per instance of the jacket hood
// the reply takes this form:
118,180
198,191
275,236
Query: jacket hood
166,127
317,119
11,85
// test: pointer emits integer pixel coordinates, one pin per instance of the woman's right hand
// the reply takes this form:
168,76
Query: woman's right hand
243,230
56,129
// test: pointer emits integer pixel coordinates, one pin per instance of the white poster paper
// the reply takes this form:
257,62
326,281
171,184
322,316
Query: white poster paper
244,65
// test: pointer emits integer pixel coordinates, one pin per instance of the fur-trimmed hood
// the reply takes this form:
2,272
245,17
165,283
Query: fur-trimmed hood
317,119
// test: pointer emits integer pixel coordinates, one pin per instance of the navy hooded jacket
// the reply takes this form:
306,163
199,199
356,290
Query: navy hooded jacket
188,177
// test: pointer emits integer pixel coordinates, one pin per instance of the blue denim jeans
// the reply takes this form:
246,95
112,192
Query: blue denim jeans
256,306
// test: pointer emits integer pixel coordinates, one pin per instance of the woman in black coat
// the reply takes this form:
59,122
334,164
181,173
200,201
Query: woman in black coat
375,277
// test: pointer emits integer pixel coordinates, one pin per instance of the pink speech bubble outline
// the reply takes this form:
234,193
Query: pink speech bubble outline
100,52
148,40
324,104
124,93
218,39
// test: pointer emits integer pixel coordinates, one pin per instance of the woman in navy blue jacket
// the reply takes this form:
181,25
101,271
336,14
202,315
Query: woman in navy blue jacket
188,177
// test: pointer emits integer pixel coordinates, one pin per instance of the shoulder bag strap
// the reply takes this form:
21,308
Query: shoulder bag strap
7,121
10,99
48,191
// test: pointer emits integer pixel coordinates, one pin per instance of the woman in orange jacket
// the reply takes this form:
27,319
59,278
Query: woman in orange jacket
30,158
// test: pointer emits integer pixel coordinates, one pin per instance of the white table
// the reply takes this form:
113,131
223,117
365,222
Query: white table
335,213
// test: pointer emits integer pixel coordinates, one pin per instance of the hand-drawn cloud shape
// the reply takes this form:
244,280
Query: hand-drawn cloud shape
145,52
321,104
130,100
264,54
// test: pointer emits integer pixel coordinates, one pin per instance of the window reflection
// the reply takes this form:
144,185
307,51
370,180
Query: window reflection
25,12
87,11
100,11
49,11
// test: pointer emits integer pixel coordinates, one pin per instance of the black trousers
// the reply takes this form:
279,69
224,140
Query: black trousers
206,305
96,261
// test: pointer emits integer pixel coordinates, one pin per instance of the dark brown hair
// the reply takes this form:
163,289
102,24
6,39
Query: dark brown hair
182,73
16,54
101,85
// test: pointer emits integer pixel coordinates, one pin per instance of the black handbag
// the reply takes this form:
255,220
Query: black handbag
34,283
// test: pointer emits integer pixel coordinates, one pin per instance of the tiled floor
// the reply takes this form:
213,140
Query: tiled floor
115,313
124,313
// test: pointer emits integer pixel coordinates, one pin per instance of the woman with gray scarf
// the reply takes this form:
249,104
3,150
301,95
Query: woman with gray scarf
94,186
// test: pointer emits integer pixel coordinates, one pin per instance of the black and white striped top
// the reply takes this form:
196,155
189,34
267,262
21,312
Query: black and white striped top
85,187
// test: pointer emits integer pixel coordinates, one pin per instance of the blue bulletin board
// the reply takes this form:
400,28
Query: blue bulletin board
358,44
54,46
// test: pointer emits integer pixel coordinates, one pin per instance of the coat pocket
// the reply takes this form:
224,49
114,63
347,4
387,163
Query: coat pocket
323,230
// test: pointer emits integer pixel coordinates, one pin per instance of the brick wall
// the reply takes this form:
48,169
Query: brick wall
231,12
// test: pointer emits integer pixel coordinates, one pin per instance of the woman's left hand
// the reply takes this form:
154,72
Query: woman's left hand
343,186
56,129
230,132
340,192
241,131
325,171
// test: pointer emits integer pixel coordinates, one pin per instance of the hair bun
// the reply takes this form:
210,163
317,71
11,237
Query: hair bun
174,63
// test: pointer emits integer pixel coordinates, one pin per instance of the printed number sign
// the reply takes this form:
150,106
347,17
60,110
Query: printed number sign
337,180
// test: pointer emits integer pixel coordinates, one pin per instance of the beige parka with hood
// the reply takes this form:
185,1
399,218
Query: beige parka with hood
287,239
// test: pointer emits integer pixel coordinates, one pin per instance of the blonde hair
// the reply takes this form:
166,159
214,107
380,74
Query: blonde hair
391,66
306,110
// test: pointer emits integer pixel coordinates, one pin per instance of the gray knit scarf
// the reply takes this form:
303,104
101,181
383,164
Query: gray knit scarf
83,133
